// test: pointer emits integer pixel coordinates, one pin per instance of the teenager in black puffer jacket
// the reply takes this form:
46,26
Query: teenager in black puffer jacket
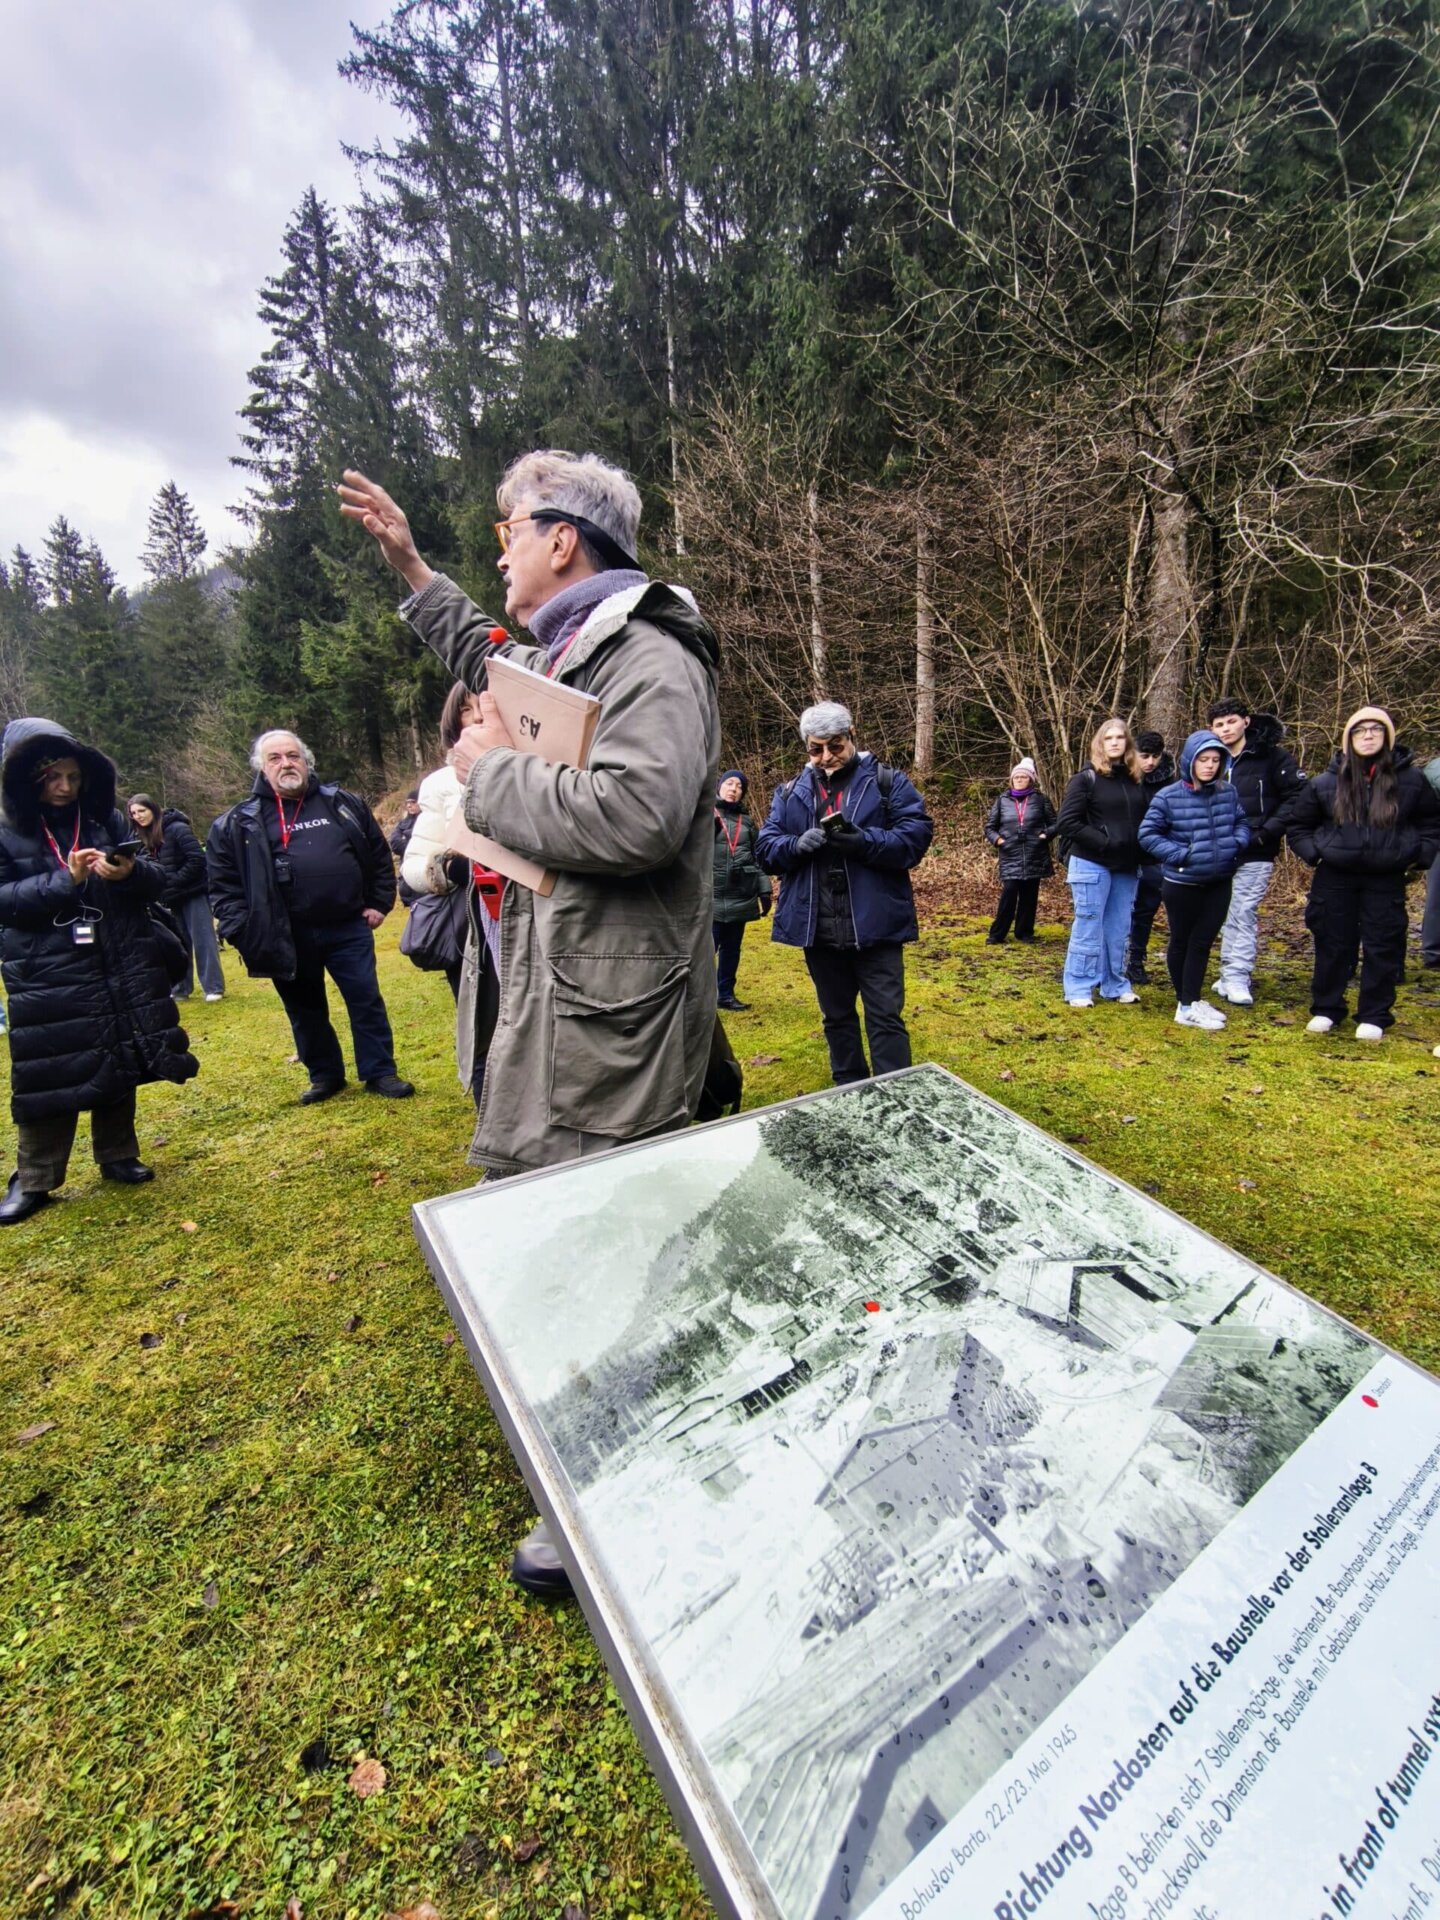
1020,825
1364,825
90,1009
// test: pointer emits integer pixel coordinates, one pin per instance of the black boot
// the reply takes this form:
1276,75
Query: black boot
19,1204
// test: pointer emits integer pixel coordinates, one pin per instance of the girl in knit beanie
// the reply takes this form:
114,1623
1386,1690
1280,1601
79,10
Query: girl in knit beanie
1364,825
1019,826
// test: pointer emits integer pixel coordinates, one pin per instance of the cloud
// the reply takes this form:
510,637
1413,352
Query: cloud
149,161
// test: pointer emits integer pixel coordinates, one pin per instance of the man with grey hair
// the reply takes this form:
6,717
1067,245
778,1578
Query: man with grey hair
843,837
607,984
299,878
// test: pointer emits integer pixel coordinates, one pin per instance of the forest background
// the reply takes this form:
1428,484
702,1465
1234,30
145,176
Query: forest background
991,367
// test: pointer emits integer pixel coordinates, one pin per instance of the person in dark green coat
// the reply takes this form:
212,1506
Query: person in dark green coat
742,890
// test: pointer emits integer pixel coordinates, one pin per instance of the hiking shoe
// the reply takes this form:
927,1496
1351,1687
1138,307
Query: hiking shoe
1367,1030
321,1090
390,1085
1322,1023
732,1005
1138,976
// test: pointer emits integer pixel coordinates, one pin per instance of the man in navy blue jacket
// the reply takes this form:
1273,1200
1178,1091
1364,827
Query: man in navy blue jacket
844,836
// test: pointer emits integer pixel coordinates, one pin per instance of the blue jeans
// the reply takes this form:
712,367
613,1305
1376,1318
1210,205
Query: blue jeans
1096,954
347,953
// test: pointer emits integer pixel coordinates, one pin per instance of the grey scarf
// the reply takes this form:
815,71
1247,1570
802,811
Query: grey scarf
555,622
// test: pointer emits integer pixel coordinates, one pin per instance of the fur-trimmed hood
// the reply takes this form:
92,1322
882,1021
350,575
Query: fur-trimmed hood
24,745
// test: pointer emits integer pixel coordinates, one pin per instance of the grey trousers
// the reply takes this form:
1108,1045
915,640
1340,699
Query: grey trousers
43,1149
1430,925
1240,935
199,925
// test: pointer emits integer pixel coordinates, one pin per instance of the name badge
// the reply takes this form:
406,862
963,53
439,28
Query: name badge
83,933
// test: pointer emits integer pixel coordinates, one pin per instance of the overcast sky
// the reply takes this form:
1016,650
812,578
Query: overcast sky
150,157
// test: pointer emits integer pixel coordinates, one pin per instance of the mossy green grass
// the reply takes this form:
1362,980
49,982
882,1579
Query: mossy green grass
267,1533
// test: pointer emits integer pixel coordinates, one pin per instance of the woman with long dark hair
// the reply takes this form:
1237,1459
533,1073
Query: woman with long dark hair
1364,825
167,838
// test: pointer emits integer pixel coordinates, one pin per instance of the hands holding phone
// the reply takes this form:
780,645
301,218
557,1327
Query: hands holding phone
106,863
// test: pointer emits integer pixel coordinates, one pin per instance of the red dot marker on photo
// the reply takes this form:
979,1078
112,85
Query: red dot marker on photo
872,1306
1369,1399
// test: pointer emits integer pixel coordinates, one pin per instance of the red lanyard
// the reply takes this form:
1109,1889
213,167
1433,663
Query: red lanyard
286,831
55,844
731,840
1020,806
832,799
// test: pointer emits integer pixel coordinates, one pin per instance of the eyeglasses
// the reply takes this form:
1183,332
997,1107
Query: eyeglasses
608,548
814,748
502,530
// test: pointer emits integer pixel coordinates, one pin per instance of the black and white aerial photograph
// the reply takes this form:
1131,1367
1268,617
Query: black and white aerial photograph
888,1416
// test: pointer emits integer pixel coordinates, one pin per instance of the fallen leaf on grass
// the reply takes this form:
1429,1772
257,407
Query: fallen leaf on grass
217,1910
160,1140
332,1276
1247,1186
293,1909
150,1339
369,1777
34,1432
527,1849
1127,1119
1007,1073
1255,1089
423,1912
380,1174
189,1226
211,1596
763,1060
352,1323
572,1912
449,1339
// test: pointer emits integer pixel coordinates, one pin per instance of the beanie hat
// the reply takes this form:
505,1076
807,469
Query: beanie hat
1377,714
733,774
1150,742
1027,765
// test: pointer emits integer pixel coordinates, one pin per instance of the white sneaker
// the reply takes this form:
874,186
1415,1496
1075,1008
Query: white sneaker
1237,992
1129,998
1368,1031
1322,1023
214,996
1080,1006
1191,1016
1212,1015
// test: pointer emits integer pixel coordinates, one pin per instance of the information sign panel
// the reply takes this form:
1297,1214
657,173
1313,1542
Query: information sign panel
967,1534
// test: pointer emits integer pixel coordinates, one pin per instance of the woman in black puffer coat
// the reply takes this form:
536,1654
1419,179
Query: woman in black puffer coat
1365,824
90,1010
1019,826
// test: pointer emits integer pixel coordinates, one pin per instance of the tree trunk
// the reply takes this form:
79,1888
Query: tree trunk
672,393
819,666
512,193
924,652
1167,625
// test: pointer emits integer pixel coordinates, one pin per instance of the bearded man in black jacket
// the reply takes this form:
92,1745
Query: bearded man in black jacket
300,877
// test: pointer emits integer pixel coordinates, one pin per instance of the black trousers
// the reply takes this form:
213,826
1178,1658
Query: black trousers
1196,914
1018,900
347,953
728,936
1348,913
1142,918
877,975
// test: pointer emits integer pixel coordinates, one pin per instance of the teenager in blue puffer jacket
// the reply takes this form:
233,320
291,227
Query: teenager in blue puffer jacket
1196,828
